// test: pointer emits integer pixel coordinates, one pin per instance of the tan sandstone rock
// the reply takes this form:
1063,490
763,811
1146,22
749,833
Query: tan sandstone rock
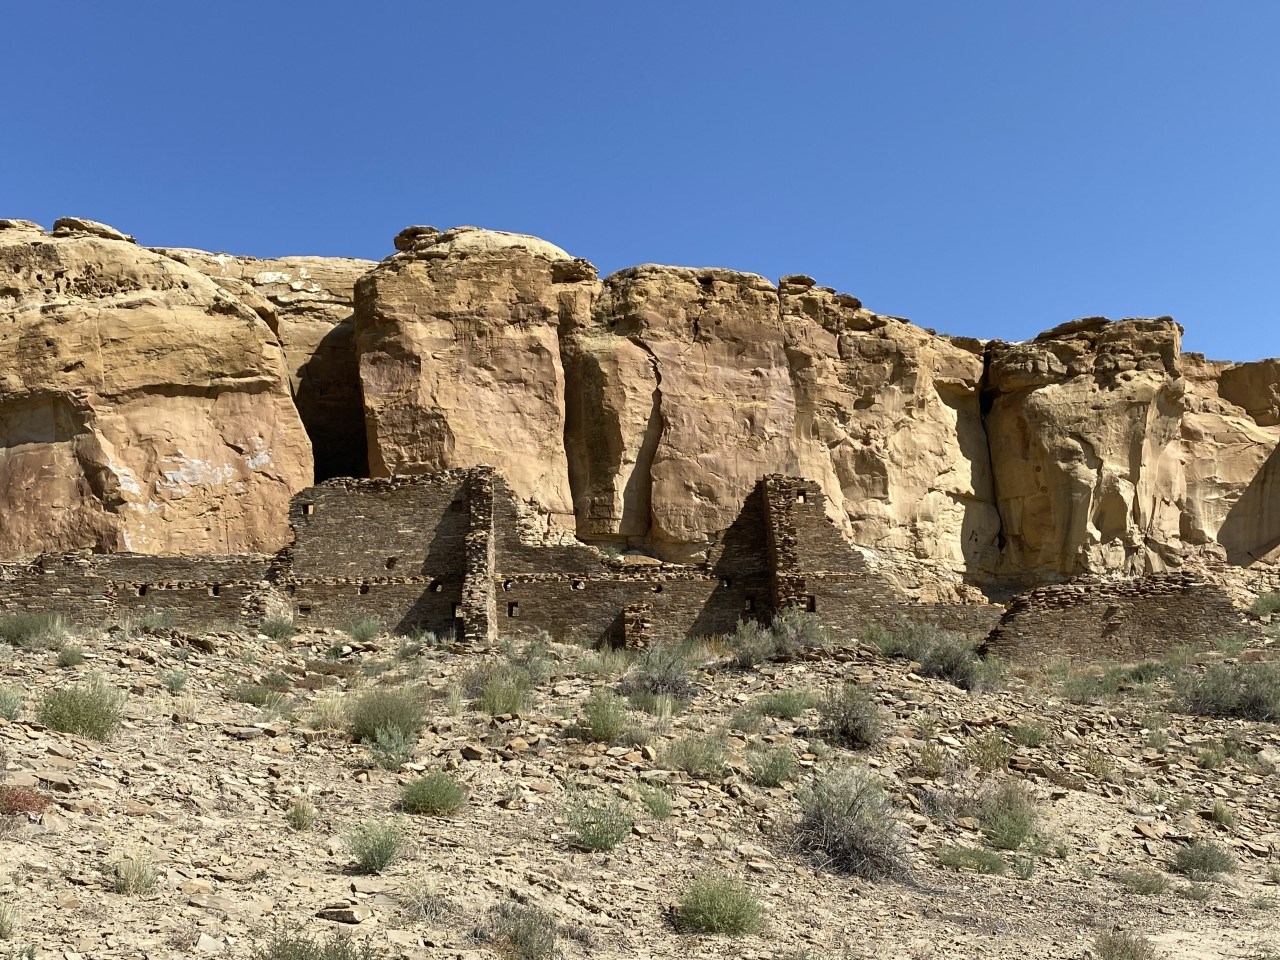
689,385
307,301
141,407
460,358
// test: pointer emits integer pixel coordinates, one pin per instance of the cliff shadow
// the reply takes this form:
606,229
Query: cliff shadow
1251,530
331,406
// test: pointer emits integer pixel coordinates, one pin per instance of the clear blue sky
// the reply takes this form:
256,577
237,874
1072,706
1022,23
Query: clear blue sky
984,168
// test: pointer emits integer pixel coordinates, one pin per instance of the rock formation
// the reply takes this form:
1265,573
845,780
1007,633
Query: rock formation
141,407
458,338
636,411
307,302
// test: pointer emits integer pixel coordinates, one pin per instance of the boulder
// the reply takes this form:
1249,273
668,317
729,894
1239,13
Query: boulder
142,407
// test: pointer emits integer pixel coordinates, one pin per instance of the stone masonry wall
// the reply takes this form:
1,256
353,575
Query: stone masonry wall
1089,619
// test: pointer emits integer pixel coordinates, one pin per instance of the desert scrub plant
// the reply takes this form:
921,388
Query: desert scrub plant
70,655
751,642
1204,860
597,823
956,857
422,903
714,903
1221,814
363,630
661,670
391,748
507,691
931,761
1249,691
1266,604
1029,734
770,766
375,844
11,702
851,717
385,708
328,712
1007,815
31,630
604,717
785,704
92,709
847,823
1143,882
1122,945
15,799
131,872
520,931
795,630
655,799
174,680
700,755
437,794
301,815
989,752
940,653
294,946
277,628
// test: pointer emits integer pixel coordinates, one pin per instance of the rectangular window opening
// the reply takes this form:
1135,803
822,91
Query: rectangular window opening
811,603
749,604
513,609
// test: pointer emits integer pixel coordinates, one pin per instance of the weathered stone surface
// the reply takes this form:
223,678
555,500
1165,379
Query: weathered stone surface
1112,451
141,407
689,385
460,358
307,301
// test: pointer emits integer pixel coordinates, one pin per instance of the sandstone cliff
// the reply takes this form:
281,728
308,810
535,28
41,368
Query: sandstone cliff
141,407
635,411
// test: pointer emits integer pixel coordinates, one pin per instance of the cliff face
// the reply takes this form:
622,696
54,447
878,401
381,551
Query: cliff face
638,410
141,407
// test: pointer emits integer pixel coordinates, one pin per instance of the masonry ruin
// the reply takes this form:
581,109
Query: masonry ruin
453,553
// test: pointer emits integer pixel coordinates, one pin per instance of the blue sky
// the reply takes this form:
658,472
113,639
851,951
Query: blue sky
984,168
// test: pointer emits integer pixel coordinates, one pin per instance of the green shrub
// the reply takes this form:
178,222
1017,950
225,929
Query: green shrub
1029,734
699,755
660,670
132,872
847,823
301,815
940,653
1007,814
293,946
1144,882
851,717
1123,945
785,704
508,691
174,680
1204,860
989,753
599,824
520,932
1250,691
1221,814
661,705
714,903
751,642
746,719
92,709
364,629
956,857
1266,604
278,628
795,630
534,658
375,845
391,748
254,694
11,702
31,630
656,800
437,794
604,717
770,766
70,656
385,708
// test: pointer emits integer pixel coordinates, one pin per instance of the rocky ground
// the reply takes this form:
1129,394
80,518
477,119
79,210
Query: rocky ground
199,784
